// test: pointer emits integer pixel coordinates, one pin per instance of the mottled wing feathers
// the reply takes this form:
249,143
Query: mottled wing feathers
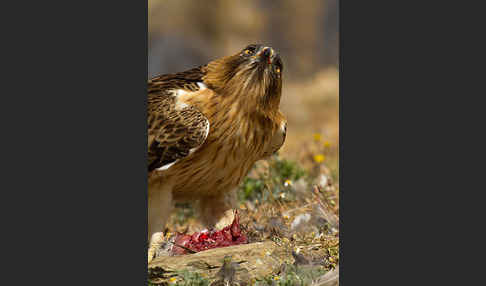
174,132
186,80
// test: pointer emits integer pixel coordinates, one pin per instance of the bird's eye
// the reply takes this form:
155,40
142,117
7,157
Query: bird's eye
249,50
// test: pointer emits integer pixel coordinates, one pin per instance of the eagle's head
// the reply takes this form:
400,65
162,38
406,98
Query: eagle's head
254,74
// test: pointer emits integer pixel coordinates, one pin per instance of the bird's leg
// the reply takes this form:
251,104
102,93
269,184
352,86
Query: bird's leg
159,208
217,211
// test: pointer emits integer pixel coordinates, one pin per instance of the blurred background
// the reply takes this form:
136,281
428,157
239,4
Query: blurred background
187,33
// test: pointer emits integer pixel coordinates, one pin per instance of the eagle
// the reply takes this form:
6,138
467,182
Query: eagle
207,126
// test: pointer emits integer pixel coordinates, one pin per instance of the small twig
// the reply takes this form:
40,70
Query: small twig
299,208
183,247
329,216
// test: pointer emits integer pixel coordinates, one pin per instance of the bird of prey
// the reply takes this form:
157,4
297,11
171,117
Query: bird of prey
207,126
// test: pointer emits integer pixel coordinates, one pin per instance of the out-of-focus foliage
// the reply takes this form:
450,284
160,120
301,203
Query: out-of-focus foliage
183,33
275,182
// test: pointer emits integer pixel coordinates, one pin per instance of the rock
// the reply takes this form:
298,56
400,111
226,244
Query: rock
299,221
255,260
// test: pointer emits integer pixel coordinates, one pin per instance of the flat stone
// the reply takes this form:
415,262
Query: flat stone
255,260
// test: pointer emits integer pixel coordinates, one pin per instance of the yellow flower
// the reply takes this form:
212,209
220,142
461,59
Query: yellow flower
276,278
172,280
319,158
317,137
288,183
327,144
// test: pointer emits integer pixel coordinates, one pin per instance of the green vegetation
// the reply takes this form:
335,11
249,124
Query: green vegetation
293,276
185,278
271,185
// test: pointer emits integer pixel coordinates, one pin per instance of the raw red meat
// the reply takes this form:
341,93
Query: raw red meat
200,241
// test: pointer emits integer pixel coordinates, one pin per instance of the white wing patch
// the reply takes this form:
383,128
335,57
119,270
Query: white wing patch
180,104
202,86
179,92
181,96
167,166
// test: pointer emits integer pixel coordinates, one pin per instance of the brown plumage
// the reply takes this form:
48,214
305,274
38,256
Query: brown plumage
206,128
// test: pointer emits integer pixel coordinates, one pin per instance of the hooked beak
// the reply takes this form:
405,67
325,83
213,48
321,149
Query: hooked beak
266,54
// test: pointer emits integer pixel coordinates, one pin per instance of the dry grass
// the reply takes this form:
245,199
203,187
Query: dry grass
296,208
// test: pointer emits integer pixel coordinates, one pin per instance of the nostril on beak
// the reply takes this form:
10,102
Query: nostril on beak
266,52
